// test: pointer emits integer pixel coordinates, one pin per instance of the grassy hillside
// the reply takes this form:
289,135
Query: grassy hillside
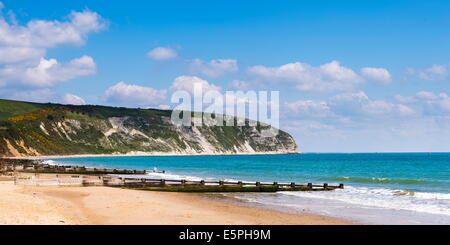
29,129
10,108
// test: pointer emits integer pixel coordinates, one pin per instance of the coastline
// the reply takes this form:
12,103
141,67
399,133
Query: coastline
114,206
146,154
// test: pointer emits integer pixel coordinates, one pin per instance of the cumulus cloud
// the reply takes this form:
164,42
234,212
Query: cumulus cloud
327,77
214,68
426,95
187,83
47,73
11,55
377,74
432,73
439,106
73,99
359,104
432,103
162,53
23,48
405,99
345,108
46,34
135,95
308,109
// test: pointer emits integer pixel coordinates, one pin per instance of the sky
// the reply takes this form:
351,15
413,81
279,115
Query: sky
353,76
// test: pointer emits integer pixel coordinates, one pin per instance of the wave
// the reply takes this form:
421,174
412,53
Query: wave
425,202
378,180
51,162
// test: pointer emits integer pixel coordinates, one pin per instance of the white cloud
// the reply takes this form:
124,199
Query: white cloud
214,68
426,95
405,99
23,48
434,72
186,83
438,107
46,34
308,108
73,99
379,107
377,74
433,104
134,95
47,73
328,77
162,53
359,104
20,54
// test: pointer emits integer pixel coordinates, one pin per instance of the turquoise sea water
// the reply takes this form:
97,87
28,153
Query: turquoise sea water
388,188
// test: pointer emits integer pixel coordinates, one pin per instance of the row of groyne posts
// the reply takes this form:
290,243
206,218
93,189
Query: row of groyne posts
52,175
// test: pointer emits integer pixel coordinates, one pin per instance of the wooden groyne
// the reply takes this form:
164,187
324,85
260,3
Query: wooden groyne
170,185
37,166
33,172
221,186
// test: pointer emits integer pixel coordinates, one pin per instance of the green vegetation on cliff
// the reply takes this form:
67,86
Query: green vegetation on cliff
31,129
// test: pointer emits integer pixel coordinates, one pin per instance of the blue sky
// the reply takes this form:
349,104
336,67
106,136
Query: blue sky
354,76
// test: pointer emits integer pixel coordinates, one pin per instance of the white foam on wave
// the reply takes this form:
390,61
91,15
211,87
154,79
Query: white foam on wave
51,162
172,176
165,176
432,203
150,174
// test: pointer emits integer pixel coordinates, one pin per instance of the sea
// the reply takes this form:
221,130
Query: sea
380,188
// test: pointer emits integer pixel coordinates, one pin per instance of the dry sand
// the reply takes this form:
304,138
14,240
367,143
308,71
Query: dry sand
106,205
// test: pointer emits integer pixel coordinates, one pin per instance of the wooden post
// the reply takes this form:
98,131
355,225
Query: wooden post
310,186
292,184
325,186
105,182
275,184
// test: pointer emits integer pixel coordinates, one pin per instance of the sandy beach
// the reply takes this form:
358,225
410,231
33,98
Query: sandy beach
113,206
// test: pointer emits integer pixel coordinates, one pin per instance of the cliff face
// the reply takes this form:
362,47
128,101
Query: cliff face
31,129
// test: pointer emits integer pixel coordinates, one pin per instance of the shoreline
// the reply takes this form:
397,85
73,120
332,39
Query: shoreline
156,154
114,206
